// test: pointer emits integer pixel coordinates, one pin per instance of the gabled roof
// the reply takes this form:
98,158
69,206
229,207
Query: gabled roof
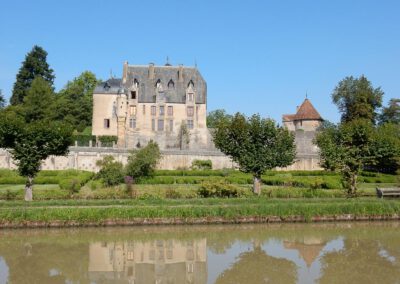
305,112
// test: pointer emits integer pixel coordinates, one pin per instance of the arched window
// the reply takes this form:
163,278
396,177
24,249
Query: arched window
158,83
136,83
191,84
171,84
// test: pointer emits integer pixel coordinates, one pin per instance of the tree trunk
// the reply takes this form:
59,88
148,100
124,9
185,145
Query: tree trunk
28,189
256,185
352,185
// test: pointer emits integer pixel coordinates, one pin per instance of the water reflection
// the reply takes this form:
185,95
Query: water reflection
296,253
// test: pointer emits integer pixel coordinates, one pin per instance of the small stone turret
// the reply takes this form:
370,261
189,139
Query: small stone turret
121,117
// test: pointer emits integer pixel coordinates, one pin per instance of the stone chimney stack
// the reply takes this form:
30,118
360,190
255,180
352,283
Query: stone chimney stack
180,73
125,72
151,71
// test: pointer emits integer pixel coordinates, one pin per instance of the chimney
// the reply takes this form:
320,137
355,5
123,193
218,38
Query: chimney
151,70
180,73
125,72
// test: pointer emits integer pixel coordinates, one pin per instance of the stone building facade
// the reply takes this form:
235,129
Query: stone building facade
153,103
304,124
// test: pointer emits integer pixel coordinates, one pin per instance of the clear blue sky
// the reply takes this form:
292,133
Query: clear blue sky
256,56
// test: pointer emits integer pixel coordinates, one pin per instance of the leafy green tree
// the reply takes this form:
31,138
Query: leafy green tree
75,101
30,144
391,113
2,100
347,148
385,148
256,144
111,172
35,65
213,117
39,101
356,98
142,163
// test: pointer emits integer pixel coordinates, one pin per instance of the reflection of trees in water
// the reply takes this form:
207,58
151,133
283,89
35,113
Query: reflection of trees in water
258,267
361,261
44,262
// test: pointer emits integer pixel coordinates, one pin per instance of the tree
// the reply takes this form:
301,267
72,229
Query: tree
357,99
31,143
391,113
142,163
111,172
75,101
385,148
35,65
256,144
2,100
347,148
215,116
39,101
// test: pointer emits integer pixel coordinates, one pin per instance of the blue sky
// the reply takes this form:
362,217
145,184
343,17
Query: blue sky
256,56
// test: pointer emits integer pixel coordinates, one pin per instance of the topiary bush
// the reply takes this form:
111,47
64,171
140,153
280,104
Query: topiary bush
219,189
111,172
202,165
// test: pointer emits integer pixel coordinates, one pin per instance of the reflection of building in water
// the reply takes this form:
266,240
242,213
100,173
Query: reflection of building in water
163,261
308,248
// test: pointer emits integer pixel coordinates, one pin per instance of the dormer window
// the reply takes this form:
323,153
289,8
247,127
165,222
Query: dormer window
190,97
191,84
171,84
158,83
133,95
106,86
136,83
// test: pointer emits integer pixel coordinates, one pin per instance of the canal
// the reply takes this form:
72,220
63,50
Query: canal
274,253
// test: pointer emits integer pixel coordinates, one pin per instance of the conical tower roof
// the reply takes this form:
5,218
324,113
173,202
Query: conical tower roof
307,112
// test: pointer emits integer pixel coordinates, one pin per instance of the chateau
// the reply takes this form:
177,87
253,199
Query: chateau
166,104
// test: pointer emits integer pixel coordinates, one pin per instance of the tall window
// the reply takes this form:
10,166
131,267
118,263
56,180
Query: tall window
190,97
160,125
133,95
171,125
132,110
190,123
170,110
162,110
132,123
153,110
144,109
153,124
190,111
106,123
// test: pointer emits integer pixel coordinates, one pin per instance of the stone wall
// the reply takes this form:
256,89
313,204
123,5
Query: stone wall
85,158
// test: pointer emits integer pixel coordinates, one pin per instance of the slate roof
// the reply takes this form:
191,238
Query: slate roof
174,90
305,112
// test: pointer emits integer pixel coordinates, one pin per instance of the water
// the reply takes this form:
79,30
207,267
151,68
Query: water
288,253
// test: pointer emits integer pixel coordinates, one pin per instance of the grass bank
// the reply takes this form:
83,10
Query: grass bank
199,211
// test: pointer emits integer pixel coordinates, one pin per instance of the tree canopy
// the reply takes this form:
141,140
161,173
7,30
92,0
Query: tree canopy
34,65
31,143
255,143
75,101
391,113
2,100
356,98
142,163
213,117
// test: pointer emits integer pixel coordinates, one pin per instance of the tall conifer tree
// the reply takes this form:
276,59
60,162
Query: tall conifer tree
35,65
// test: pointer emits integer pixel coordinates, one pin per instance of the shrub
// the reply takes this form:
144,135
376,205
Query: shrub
142,163
202,165
219,189
71,185
111,172
107,140
172,194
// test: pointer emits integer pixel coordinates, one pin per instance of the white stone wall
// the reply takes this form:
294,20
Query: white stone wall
85,158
